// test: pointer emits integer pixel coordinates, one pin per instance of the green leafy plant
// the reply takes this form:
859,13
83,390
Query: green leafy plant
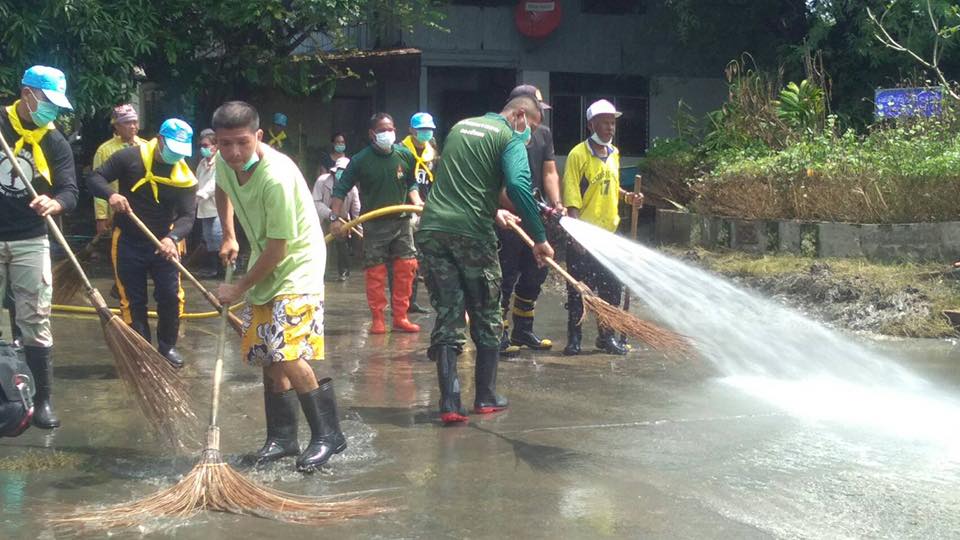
801,106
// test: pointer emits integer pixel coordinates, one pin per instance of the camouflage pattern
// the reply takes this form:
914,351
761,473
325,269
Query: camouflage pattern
387,239
463,276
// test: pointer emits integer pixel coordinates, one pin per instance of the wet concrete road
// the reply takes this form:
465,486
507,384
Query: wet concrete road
592,447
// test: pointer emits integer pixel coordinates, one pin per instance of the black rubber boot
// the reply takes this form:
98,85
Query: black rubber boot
414,306
326,439
486,400
281,412
574,337
451,411
609,344
523,334
39,361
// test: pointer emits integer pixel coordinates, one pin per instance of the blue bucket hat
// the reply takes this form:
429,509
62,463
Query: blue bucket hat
178,136
51,81
280,119
422,120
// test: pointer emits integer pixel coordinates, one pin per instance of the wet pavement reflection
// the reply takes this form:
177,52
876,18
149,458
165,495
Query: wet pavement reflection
591,447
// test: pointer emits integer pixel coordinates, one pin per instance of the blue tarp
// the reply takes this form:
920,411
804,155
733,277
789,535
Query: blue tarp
906,102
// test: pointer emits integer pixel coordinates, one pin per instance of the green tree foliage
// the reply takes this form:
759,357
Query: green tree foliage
200,52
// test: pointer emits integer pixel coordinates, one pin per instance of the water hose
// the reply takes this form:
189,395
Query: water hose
378,213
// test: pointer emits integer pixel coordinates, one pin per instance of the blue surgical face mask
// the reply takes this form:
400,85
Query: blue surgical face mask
339,148
46,112
523,135
168,156
251,162
424,135
206,151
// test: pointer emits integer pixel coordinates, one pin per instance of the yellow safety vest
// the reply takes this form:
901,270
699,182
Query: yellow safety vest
180,177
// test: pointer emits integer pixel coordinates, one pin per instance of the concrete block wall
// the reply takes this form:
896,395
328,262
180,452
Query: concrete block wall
881,242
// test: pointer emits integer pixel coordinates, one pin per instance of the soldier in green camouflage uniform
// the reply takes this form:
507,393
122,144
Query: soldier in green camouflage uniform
458,245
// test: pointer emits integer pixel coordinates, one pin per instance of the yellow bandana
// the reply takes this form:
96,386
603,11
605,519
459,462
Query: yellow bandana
423,161
276,140
180,177
33,137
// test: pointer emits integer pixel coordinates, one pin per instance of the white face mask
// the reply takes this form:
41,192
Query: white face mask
385,139
596,138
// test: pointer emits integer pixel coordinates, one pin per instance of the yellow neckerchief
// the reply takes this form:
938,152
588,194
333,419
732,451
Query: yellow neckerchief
180,176
33,137
276,140
423,161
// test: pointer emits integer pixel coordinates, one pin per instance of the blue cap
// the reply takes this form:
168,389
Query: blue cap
422,120
177,136
51,81
280,119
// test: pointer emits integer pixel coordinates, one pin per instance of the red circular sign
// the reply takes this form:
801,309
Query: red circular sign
538,19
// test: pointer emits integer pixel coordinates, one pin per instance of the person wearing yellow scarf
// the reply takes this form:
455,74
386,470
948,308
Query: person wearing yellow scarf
278,131
46,159
155,183
423,146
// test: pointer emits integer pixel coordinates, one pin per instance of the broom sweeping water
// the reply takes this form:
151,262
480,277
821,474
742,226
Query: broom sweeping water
156,386
214,485
235,321
614,318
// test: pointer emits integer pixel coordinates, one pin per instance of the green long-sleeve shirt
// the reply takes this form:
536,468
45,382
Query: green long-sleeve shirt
481,155
383,179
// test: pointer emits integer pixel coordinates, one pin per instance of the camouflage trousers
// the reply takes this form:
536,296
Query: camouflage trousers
387,239
463,276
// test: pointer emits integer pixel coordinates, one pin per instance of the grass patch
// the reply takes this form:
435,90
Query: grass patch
33,461
872,280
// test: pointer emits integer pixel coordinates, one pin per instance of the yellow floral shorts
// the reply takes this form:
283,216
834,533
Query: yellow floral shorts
287,329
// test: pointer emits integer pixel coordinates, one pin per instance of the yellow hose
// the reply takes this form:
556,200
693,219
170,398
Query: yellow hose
378,213
88,310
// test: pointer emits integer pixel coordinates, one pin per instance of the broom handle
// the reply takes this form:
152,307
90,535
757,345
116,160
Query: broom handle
218,368
549,260
353,229
634,215
234,320
95,297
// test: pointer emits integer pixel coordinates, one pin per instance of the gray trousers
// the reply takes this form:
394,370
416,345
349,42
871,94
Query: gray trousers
25,266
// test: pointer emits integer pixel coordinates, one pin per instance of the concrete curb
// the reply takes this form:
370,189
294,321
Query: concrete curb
882,242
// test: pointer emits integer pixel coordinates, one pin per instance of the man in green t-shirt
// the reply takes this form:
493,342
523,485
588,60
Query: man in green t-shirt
283,324
458,245
384,172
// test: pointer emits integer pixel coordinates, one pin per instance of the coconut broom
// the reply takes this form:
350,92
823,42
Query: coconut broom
214,485
615,318
66,282
235,321
155,384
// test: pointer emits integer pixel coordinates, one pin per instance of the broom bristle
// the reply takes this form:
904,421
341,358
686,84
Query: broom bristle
157,387
66,282
618,320
215,486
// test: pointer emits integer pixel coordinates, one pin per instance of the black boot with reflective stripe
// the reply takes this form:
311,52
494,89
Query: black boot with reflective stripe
523,334
505,346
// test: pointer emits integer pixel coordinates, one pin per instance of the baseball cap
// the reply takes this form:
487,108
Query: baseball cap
51,81
602,107
280,119
530,90
178,136
422,120
122,114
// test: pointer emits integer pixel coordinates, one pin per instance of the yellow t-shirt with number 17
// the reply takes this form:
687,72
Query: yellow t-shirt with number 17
592,185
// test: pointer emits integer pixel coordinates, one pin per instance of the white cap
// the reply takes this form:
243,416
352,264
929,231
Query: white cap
602,107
